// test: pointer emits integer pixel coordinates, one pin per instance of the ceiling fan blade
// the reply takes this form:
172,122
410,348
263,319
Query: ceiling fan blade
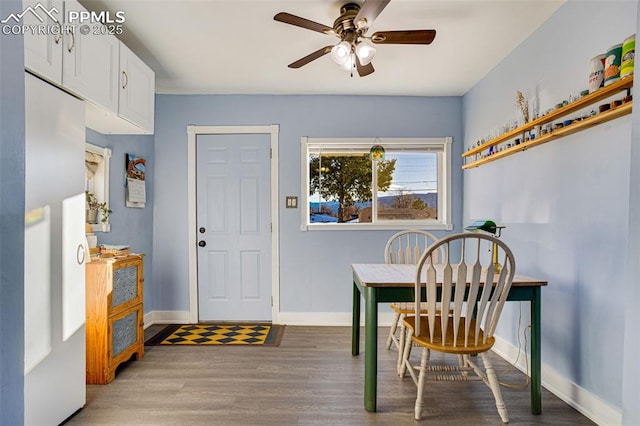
290,19
364,70
369,11
404,37
310,57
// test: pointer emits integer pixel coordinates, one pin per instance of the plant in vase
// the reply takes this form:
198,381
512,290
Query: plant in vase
92,205
92,208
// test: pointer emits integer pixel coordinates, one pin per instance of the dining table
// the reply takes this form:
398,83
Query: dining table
386,283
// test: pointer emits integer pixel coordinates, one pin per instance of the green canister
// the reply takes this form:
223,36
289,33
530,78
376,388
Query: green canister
628,54
612,64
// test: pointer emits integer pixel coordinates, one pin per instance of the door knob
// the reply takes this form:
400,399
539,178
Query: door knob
202,243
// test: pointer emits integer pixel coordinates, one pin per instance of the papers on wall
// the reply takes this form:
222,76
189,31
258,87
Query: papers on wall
135,193
136,196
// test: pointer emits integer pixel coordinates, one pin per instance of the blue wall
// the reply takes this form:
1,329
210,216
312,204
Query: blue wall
129,226
315,274
566,203
11,224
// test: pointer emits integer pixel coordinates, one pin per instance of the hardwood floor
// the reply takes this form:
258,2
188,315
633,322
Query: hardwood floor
310,379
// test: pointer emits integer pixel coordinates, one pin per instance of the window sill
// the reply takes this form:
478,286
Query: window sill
396,226
101,227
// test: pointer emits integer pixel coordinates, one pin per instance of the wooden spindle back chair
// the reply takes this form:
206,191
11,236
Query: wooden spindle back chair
405,247
473,292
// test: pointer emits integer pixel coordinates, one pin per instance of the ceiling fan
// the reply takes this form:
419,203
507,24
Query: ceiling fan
353,50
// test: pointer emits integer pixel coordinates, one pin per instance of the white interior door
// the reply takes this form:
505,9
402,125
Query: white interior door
234,227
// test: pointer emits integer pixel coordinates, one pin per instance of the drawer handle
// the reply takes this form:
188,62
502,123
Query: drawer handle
58,36
125,80
80,252
73,42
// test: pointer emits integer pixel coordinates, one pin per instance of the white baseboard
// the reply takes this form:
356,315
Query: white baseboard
287,318
335,319
166,317
590,405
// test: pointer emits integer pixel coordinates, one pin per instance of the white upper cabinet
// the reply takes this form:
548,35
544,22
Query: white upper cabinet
90,63
43,52
137,89
86,59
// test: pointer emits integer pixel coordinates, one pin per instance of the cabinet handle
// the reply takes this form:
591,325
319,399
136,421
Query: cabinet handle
125,80
58,36
80,252
73,42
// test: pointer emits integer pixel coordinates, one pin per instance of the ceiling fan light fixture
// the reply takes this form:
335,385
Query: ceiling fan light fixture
341,53
365,52
355,49
349,64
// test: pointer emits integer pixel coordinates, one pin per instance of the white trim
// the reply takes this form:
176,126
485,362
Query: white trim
585,402
102,192
304,183
332,319
166,317
447,165
192,223
364,144
319,319
380,226
192,133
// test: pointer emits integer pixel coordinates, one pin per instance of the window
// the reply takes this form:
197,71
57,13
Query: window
343,187
97,178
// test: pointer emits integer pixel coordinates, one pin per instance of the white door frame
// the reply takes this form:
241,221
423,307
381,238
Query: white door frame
192,132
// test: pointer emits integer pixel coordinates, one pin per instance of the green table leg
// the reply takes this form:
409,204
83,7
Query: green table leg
536,364
370,348
355,321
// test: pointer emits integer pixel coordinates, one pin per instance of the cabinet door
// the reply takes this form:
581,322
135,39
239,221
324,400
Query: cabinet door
74,255
90,63
43,52
137,87
125,334
127,285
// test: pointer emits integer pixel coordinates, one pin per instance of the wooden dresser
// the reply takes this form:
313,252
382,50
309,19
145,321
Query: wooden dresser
114,315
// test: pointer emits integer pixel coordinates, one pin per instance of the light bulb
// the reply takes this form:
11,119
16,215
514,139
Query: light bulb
365,52
341,52
350,63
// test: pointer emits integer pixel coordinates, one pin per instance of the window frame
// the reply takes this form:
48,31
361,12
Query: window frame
444,221
101,182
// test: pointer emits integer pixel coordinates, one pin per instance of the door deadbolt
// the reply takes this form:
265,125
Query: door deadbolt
202,243
202,230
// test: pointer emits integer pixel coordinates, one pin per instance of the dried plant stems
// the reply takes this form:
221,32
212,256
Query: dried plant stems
522,103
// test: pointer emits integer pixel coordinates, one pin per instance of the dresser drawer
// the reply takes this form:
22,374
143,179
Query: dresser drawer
125,333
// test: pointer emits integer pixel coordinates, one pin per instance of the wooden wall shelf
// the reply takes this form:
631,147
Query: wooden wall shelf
584,102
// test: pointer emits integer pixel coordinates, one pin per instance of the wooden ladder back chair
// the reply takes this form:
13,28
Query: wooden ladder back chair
405,247
474,308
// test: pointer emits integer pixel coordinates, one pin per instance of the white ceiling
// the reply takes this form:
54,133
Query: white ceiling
235,46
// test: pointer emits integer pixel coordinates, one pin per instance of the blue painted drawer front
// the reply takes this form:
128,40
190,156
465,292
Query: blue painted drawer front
125,332
125,285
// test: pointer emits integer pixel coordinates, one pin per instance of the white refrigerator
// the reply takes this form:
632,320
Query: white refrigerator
55,253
